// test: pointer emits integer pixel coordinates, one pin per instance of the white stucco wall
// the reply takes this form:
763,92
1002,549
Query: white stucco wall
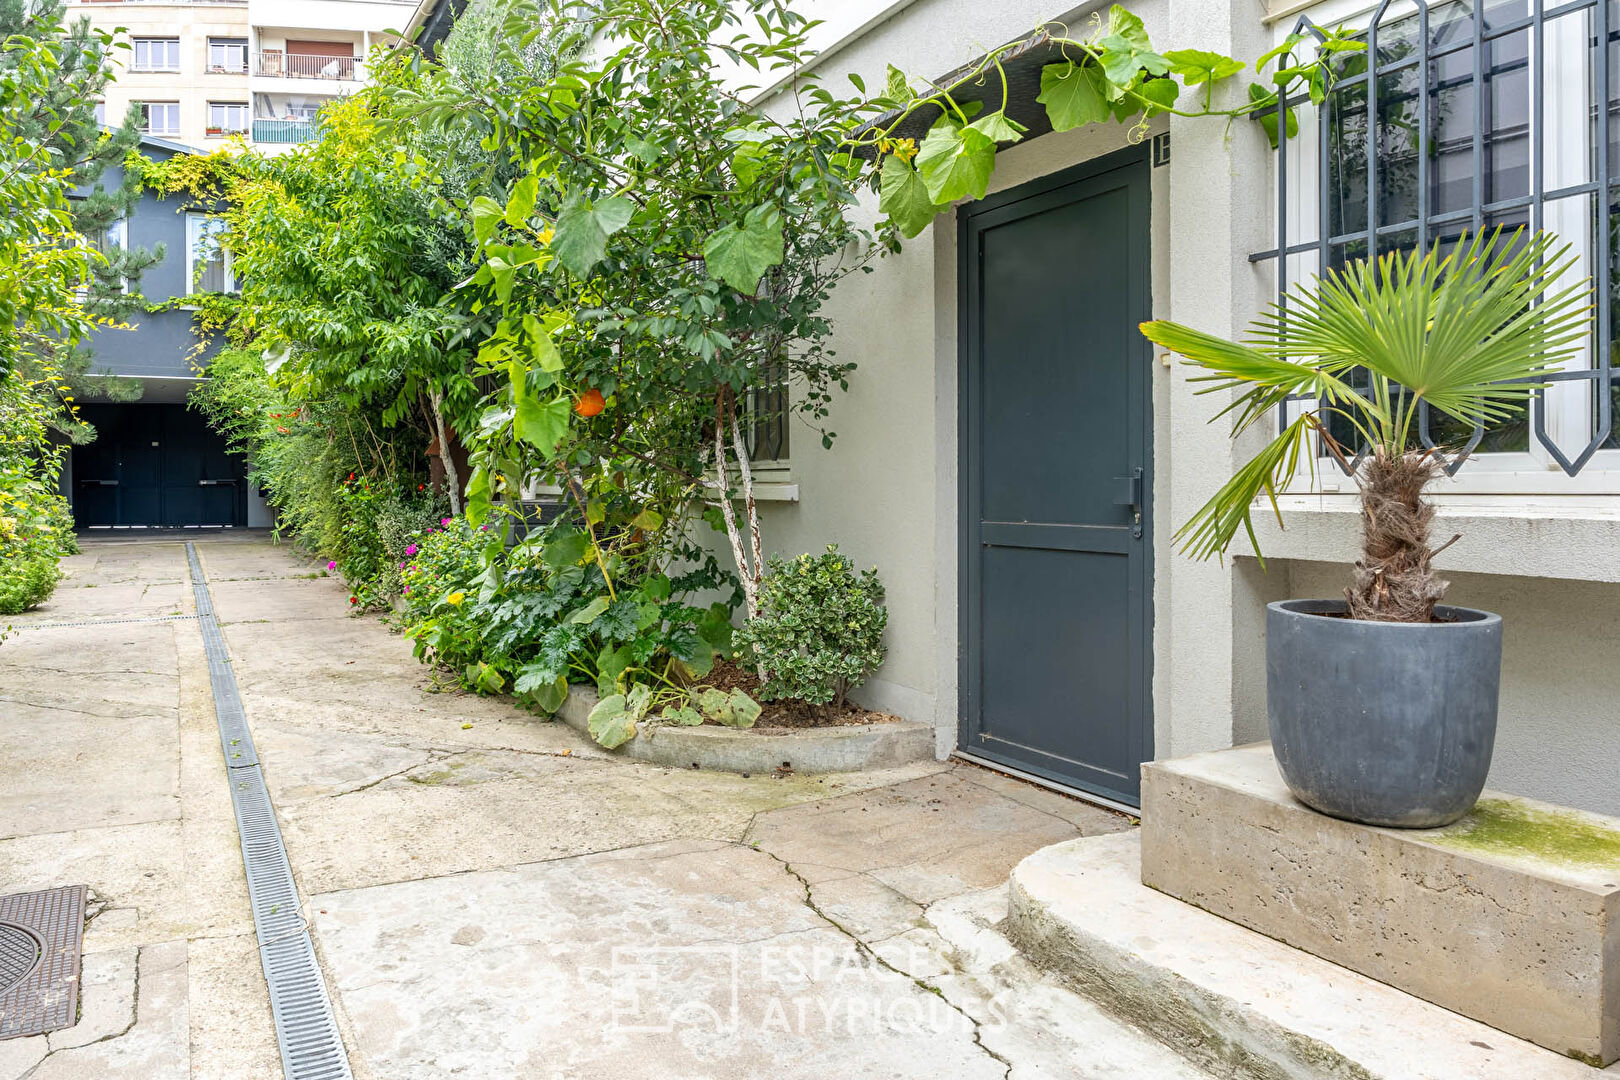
887,492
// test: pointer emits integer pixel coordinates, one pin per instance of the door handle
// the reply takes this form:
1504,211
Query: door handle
1128,492
100,483
212,483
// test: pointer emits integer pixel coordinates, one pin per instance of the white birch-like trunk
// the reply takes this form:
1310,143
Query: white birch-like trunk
729,514
749,505
452,480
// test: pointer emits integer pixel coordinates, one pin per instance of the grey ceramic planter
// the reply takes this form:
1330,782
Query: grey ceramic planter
1383,723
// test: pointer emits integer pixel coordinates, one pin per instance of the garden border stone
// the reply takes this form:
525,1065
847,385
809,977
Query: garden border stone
808,750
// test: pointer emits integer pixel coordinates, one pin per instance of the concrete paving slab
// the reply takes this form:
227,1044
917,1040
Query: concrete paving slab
153,1042
129,763
134,600
925,839
286,600
678,961
232,1033
137,874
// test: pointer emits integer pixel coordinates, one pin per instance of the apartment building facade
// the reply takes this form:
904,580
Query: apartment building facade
204,72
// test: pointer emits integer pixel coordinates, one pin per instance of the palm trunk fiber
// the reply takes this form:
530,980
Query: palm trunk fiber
1394,581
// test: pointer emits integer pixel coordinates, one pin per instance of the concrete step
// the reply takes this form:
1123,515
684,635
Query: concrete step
1024,1015
1235,1002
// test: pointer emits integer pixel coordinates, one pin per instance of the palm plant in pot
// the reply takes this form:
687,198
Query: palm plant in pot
1382,705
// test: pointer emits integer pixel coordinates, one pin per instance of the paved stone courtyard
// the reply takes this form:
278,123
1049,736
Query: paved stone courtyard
491,895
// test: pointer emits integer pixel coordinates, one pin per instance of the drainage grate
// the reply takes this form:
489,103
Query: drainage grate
101,622
234,736
46,996
311,1048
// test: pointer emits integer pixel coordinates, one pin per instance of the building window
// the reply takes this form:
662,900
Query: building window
159,117
765,421
1462,118
108,242
101,113
155,54
228,55
208,263
227,117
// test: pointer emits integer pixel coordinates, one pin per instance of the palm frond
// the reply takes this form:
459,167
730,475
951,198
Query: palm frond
1470,331
1211,530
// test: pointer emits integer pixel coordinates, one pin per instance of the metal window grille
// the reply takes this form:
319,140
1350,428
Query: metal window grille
766,429
1460,117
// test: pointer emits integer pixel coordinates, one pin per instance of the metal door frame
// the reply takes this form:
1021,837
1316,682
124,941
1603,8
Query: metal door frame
1040,195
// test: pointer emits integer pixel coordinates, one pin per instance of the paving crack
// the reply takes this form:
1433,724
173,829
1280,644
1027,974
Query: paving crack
871,954
134,1018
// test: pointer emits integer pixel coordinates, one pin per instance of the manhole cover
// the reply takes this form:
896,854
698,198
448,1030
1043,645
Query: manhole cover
40,937
19,953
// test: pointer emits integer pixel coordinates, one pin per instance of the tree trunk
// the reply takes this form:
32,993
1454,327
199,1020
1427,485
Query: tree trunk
1394,581
750,580
750,507
447,457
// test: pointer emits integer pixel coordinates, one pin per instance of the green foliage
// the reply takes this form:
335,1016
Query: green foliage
677,254
66,66
537,616
1466,331
819,631
42,269
341,490
1115,73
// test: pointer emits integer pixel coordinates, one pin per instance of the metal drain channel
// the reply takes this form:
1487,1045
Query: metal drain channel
103,622
311,1048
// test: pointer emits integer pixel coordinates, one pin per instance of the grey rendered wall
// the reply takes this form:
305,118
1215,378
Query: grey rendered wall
158,344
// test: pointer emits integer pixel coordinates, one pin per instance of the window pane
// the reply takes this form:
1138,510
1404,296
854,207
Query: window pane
208,259
1568,87
1347,155
1507,112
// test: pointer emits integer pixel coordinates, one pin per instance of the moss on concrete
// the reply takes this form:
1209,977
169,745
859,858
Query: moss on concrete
1510,828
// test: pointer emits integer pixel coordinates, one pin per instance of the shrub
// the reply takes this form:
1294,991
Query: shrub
36,529
819,631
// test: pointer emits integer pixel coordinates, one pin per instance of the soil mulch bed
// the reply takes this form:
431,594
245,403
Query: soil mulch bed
790,712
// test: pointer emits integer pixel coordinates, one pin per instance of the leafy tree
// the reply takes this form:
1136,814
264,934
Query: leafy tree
42,270
348,257
61,119
659,250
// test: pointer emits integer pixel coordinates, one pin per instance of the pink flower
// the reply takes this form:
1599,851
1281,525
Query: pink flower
410,551
444,521
332,565
407,588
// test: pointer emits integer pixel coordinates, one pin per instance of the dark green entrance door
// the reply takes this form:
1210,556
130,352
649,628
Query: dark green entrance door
1056,542
155,465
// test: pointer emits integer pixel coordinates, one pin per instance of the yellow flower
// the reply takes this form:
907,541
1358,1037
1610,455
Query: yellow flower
455,598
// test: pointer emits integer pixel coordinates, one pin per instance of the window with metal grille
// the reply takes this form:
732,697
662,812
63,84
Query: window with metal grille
766,416
1461,117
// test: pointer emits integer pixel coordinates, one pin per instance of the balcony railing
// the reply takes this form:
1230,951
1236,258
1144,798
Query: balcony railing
283,131
276,64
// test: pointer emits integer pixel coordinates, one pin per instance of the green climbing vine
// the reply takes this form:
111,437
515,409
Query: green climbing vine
1114,73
